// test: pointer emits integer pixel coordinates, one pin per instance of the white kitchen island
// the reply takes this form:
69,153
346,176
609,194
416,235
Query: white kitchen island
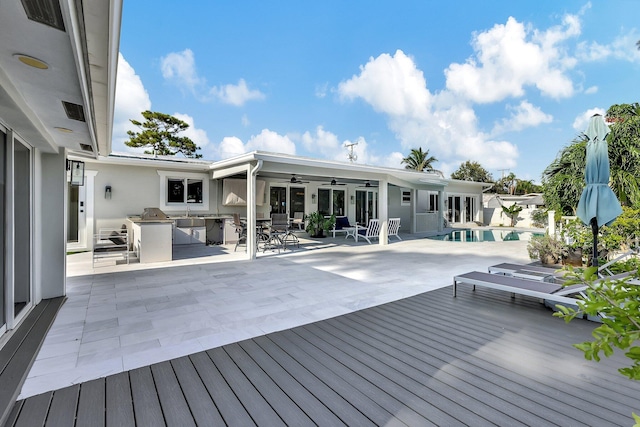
152,239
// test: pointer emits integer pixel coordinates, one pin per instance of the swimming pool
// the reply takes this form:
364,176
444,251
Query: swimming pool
493,235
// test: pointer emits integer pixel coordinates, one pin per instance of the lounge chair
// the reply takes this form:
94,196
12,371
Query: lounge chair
394,227
543,290
371,232
298,220
509,268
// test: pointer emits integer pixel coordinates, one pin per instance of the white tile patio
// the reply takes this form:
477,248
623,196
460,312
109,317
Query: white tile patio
122,317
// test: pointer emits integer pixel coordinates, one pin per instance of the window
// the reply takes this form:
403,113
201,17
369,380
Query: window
324,201
177,189
338,202
433,202
331,202
405,197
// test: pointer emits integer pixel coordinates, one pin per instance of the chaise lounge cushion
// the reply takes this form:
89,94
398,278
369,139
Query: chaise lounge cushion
117,238
342,222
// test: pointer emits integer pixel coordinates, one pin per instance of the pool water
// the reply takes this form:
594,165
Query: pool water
494,235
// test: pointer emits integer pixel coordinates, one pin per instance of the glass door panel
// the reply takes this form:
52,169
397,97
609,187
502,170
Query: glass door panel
22,227
3,158
278,199
296,201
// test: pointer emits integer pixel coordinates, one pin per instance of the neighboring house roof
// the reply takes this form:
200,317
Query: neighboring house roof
537,200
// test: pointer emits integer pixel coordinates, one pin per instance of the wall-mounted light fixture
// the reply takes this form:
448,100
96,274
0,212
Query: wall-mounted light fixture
353,199
77,172
313,198
107,192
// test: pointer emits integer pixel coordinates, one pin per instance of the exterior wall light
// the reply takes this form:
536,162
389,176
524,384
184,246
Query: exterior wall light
107,192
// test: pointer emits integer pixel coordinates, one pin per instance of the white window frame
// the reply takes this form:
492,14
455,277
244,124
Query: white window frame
184,176
405,197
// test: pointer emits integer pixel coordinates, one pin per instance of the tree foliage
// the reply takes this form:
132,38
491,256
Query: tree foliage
419,160
512,212
161,134
617,302
563,179
472,171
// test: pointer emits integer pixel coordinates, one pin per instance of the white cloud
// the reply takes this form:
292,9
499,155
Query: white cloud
266,140
391,84
622,48
591,90
522,116
236,94
199,136
582,121
180,69
131,100
510,57
231,146
245,120
442,123
321,90
324,143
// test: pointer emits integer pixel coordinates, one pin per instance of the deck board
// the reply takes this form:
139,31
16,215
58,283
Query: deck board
174,405
19,352
118,401
202,407
147,410
482,358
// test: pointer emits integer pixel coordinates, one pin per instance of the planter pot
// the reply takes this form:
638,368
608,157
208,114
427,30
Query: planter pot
574,258
318,234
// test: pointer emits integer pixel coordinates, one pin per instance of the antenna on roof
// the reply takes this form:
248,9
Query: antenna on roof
351,155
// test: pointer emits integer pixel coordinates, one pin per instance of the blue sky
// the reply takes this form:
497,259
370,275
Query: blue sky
507,84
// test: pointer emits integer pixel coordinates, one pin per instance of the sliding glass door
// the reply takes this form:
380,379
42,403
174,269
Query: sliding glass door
3,235
22,226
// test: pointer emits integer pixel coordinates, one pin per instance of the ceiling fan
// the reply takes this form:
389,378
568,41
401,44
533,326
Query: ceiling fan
295,180
368,184
334,182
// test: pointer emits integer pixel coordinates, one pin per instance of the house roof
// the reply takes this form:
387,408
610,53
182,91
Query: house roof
76,49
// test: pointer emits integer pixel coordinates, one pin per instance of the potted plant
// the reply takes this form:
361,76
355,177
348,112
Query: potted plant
317,224
547,249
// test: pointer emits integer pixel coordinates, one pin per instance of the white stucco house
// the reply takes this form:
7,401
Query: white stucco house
257,184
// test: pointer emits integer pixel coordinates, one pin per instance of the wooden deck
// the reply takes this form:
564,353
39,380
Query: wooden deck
19,353
479,359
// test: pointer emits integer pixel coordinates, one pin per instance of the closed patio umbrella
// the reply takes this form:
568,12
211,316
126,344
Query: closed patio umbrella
598,204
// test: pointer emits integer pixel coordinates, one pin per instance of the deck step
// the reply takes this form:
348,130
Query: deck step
20,351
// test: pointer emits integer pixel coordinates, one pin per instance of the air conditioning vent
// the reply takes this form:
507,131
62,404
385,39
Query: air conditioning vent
86,147
74,111
46,12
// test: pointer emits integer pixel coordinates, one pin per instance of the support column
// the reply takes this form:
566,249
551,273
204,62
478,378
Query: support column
440,210
252,246
383,211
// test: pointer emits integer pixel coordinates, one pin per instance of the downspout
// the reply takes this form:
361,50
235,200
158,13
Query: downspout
252,244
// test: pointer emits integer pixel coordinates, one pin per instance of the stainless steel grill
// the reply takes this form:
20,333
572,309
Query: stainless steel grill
153,213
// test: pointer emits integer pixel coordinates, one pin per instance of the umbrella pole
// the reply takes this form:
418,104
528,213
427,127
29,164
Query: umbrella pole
594,229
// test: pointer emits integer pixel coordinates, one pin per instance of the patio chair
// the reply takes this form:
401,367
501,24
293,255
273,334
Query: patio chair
298,219
371,232
394,227
280,233
241,229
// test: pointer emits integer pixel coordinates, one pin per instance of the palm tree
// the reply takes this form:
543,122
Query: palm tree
563,179
419,160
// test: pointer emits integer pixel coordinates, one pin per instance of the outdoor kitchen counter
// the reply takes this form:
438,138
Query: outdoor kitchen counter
152,239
